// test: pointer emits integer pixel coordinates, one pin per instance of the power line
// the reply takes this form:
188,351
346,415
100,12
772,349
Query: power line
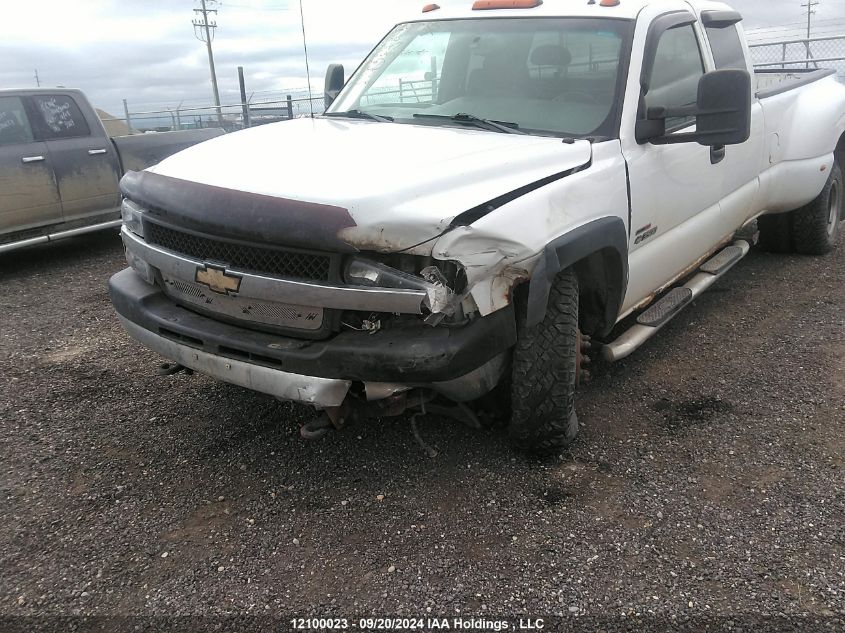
791,26
203,31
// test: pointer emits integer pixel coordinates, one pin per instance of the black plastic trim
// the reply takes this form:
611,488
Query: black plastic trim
812,76
605,235
628,191
412,353
720,19
658,27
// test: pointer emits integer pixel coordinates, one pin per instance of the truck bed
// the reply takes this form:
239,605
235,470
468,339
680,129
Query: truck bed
770,82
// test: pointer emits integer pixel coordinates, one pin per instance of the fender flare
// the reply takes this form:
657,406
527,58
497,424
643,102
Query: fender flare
607,236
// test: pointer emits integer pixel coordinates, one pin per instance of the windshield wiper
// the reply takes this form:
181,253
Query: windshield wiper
463,117
360,114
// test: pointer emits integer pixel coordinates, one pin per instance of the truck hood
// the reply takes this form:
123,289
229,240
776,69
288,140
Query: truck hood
349,184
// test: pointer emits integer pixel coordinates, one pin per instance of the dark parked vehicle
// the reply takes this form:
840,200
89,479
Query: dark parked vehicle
59,170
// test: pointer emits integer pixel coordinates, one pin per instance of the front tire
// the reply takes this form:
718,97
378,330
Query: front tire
815,227
545,374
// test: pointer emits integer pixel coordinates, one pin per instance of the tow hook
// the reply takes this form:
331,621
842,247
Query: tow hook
316,428
330,419
169,369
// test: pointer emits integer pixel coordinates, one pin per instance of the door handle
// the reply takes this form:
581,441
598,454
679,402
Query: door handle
32,159
94,152
717,154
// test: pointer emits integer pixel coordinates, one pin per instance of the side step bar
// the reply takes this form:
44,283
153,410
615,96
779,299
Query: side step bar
658,315
52,237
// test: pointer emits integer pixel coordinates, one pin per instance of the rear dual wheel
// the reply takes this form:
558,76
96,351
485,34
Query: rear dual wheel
811,230
815,228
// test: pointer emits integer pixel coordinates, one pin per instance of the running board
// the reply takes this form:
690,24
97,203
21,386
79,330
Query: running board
658,315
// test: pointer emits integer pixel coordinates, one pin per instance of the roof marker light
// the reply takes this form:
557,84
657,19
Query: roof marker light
430,7
609,3
482,5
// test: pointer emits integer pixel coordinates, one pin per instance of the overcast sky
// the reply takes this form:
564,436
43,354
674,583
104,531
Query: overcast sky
145,50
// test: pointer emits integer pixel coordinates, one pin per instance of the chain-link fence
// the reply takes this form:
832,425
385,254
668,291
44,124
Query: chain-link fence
815,52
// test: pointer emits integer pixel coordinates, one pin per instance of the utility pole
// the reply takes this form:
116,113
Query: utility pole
37,80
810,12
203,31
244,102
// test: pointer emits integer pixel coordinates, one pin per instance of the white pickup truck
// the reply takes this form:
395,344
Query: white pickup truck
496,187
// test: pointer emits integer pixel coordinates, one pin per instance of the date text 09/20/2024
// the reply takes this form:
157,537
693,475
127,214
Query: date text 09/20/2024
417,624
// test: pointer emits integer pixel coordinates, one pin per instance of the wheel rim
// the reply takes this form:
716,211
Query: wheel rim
834,202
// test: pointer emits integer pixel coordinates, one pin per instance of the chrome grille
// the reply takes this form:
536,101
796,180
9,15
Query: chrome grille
238,308
246,257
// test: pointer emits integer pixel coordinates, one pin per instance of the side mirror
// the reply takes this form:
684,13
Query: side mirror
334,83
722,112
724,108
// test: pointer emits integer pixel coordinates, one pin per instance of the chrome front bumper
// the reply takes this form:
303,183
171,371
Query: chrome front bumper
460,363
322,392
319,392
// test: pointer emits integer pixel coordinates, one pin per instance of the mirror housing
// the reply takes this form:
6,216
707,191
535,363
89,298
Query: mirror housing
334,83
722,112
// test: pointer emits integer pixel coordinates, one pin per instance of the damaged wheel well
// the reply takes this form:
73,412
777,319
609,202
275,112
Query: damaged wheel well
598,252
601,287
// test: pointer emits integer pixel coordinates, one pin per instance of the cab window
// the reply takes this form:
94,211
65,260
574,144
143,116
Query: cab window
678,67
14,125
58,116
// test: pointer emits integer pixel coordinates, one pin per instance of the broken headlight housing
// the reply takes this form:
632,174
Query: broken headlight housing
366,272
131,215
403,271
442,282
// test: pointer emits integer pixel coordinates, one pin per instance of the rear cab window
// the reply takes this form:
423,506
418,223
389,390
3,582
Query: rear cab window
728,52
58,116
14,124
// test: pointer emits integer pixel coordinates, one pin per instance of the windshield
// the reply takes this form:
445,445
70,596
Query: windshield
556,76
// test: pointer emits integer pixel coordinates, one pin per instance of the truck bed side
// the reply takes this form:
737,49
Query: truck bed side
139,151
804,122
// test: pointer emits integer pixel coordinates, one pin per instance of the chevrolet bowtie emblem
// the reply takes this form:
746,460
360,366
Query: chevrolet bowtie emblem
218,280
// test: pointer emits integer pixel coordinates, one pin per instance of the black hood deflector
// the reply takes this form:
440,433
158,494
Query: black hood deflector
239,214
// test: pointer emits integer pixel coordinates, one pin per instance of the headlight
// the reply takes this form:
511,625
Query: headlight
365,272
440,297
131,215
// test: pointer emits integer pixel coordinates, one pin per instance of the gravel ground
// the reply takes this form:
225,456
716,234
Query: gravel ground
707,488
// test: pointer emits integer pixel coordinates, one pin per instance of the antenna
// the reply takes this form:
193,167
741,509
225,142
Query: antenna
307,69
37,79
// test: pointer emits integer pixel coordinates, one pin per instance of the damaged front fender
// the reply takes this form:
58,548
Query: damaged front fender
494,264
